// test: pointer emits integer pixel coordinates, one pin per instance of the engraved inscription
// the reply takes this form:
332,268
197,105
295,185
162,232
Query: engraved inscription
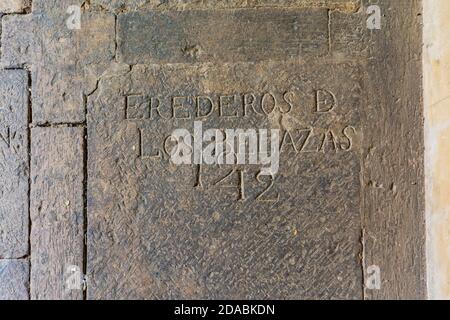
149,144
141,107
230,220
295,140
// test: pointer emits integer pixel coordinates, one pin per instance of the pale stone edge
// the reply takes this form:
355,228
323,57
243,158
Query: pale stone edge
14,6
436,60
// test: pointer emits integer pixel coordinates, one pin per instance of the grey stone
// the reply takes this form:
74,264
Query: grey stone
13,163
56,211
66,62
14,6
347,101
349,36
393,167
18,41
156,232
221,35
14,279
135,5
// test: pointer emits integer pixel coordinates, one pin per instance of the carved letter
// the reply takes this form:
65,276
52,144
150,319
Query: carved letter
142,151
227,101
288,140
287,96
348,137
137,107
204,101
178,103
325,101
328,137
154,105
264,99
249,101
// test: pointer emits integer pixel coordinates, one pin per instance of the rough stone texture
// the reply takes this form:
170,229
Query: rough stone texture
66,63
392,175
13,6
56,210
221,35
349,36
18,40
14,279
13,164
349,193
393,161
134,5
152,234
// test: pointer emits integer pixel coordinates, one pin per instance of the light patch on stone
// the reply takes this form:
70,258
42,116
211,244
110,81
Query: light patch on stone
437,144
13,6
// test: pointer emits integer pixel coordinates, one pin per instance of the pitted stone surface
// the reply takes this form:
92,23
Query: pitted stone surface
221,35
14,282
297,238
66,62
13,164
56,211
105,197
135,5
14,6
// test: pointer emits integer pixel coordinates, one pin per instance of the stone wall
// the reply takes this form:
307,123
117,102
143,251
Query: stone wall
89,192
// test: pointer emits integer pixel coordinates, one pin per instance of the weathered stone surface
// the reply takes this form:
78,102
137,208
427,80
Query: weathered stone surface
56,210
134,5
14,279
12,6
69,65
153,234
66,62
393,177
221,35
17,41
349,36
13,164
349,193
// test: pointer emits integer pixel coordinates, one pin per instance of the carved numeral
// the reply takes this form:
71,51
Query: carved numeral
263,195
241,185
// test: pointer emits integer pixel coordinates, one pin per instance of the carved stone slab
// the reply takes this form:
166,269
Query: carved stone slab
107,200
158,230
